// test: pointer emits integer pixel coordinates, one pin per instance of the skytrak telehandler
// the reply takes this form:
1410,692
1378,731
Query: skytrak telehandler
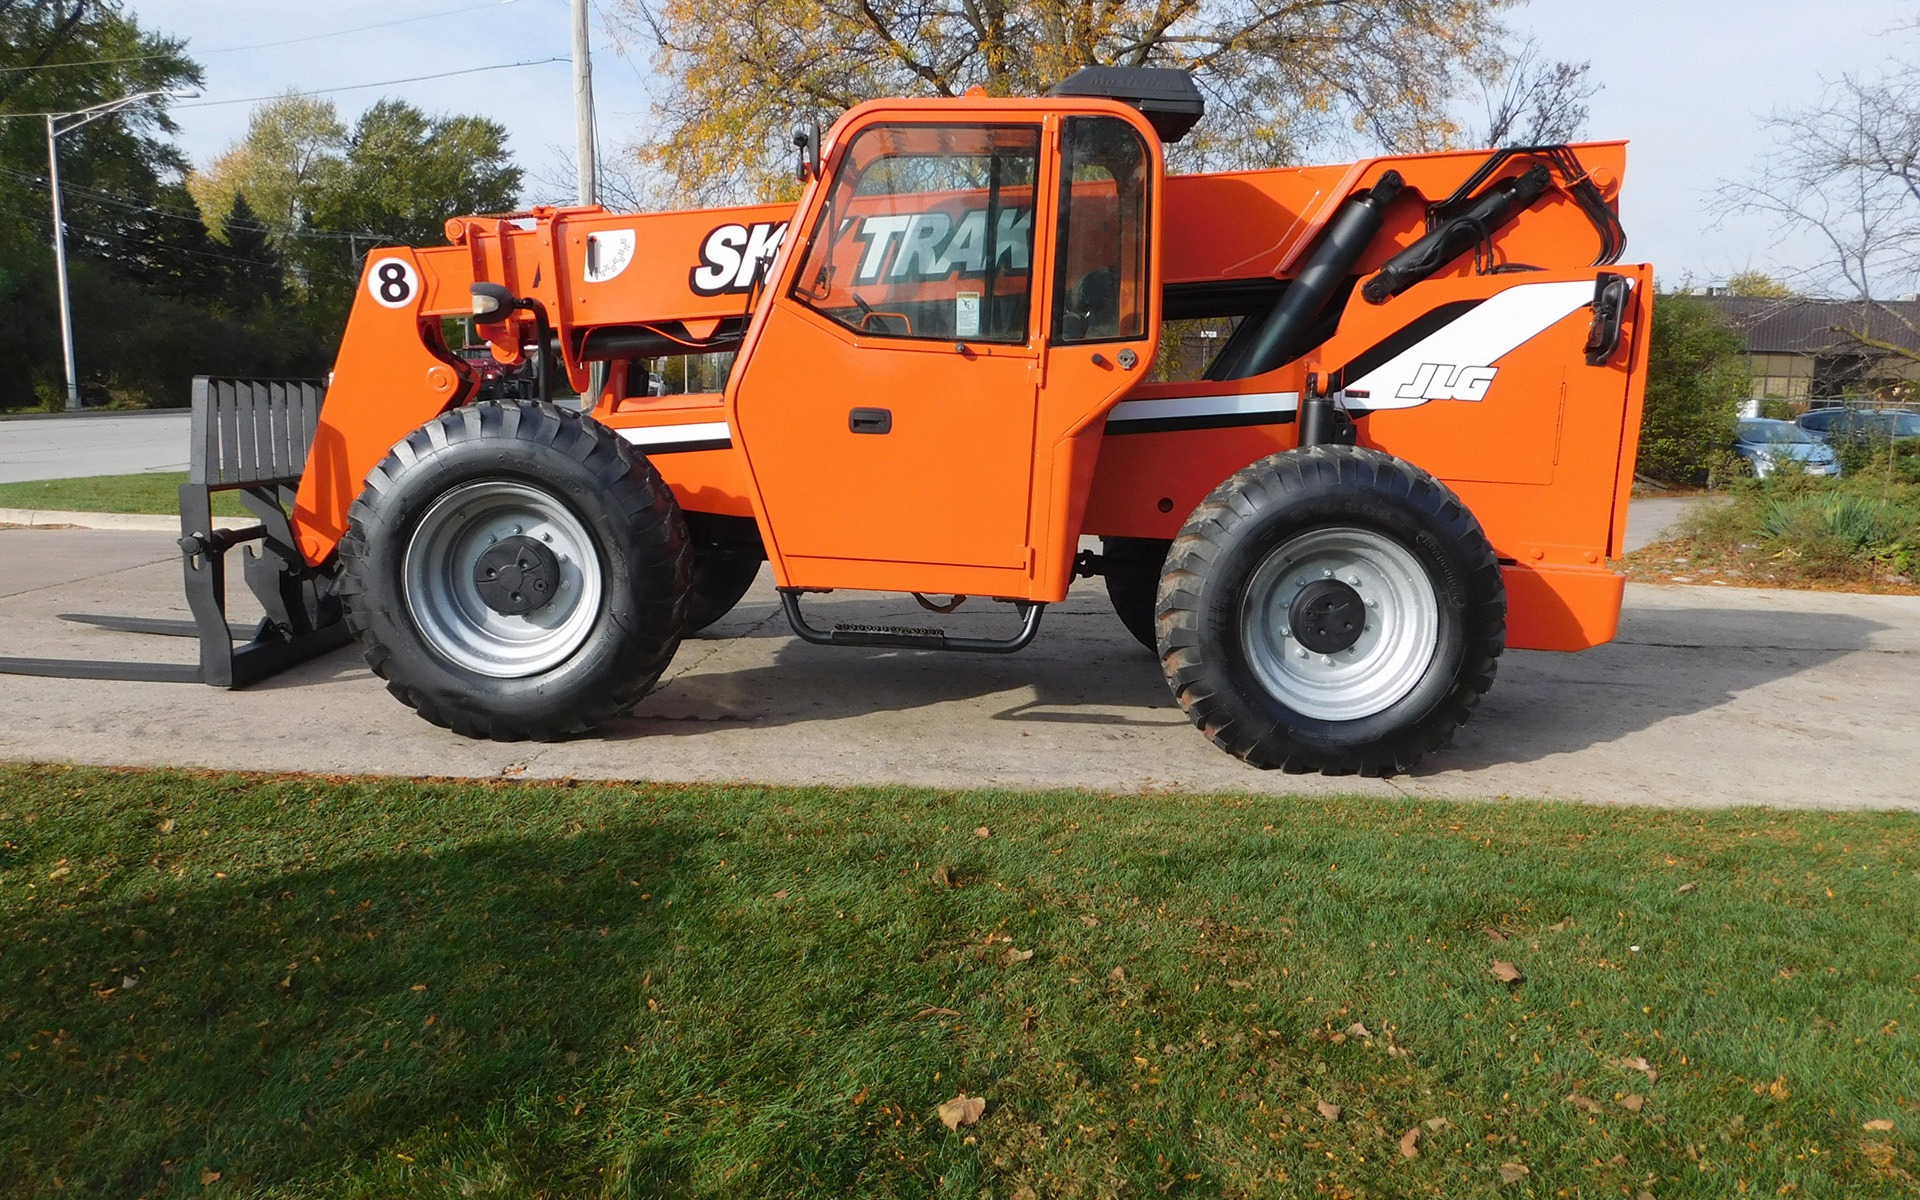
1346,432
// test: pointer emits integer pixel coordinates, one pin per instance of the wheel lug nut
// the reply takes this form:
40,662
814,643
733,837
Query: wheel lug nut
1327,659
1326,574
1354,580
1302,652
1285,632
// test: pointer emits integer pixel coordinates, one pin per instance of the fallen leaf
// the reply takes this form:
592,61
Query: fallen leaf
1017,956
962,1110
983,832
1118,974
419,987
1495,936
1338,1039
1398,1051
943,876
1506,972
1684,888
1878,1125
1583,1103
1633,1062
1513,1172
1239,984
209,1176
1643,1195
1618,1160
1561,926
1633,1103
1026,1021
781,894
128,983
935,1012
59,872
1089,920
1330,1111
860,1097
1438,1124
1358,1030
168,825
1410,1143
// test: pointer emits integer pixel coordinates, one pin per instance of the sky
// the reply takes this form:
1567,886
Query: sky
1688,82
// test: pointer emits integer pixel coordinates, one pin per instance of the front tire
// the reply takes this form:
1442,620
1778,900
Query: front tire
1333,609
514,571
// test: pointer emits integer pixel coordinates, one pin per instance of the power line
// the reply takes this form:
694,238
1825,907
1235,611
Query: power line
355,87
312,37
350,87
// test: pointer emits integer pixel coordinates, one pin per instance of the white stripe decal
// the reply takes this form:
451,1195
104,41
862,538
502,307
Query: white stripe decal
673,435
1478,339
1173,408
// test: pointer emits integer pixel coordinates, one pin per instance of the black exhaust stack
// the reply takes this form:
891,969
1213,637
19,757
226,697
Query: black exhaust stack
1282,337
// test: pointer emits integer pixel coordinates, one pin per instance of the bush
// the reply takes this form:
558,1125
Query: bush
1696,382
1795,529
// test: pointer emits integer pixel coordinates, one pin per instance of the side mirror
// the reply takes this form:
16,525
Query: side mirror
806,140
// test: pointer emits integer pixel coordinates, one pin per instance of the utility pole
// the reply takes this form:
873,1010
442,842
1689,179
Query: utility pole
583,105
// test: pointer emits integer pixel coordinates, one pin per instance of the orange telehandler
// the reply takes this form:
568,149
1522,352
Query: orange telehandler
1345,432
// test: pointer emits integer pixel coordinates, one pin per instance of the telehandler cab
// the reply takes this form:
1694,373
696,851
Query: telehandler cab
1345,432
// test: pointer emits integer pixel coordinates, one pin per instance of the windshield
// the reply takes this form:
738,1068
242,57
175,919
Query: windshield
1774,433
1905,424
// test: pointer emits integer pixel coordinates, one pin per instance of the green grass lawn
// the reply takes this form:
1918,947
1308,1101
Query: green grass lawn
312,987
157,492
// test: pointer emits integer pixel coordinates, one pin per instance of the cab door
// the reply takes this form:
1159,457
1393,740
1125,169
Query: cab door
887,403
924,394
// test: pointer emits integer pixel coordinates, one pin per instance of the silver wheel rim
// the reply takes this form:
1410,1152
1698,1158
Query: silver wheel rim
446,605
1394,650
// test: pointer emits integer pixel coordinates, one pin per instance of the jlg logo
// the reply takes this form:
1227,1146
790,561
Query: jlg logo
732,255
1445,381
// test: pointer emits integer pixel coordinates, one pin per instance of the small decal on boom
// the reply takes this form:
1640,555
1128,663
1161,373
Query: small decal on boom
1445,381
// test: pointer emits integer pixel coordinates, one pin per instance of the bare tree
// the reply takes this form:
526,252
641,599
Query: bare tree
1533,102
1847,172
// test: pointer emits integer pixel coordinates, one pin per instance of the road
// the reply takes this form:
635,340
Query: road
65,447
1711,696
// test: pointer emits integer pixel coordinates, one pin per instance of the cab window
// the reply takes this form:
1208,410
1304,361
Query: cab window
1101,289
927,232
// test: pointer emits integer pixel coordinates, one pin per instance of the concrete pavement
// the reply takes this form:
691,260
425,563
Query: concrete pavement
93,444
1711,696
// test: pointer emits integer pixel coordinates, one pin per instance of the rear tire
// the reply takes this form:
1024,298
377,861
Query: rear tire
1333,609
720,579
514,570
1133,579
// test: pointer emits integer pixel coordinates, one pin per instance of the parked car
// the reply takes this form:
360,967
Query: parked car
1768,445
1860,424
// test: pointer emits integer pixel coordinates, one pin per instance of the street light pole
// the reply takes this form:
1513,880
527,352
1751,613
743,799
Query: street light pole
60,267
54,130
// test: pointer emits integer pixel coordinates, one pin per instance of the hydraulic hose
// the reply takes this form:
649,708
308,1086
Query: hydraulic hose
1489,211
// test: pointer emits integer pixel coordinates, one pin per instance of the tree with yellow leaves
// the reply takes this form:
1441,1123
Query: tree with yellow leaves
1280,75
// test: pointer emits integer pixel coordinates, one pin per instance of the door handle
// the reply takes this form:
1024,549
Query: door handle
870,420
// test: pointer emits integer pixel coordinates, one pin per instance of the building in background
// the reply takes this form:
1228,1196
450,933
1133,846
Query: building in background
1799,352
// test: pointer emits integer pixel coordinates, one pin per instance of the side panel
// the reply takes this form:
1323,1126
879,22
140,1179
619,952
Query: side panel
1481,380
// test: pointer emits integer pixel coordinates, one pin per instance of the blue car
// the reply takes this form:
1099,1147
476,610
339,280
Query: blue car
1768,445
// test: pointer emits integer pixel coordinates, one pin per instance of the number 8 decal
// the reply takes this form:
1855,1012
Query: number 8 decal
393,282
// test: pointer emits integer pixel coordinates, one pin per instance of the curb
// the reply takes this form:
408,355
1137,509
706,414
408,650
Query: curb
88,413
39,518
